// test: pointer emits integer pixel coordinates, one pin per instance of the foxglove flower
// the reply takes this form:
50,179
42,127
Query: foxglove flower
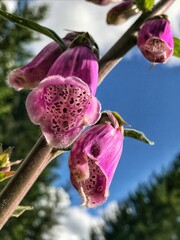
62,107
102,2
93,160
122,12
31,74
80,62
155,40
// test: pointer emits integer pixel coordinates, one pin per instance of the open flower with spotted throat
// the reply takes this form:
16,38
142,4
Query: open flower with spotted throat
93,160
155,40
62,107
64,103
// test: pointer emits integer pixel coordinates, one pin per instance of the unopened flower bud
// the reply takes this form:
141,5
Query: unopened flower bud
102,2
122,12
155,40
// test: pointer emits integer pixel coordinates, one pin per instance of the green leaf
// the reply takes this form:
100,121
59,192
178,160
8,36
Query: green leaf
137,135
145,5
177,47
20,210
33,26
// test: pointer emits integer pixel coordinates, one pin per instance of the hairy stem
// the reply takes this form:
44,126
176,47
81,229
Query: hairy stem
24,178
42,153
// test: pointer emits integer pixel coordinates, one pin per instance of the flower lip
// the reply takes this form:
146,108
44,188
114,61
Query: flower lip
62,107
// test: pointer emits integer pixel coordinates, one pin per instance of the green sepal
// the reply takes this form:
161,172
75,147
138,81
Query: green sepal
85,39
145,5
137,135
119,119
20,210
4,157
33,26
176,47
6,175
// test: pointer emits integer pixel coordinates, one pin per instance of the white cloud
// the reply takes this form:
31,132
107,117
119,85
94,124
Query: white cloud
11,5
75,224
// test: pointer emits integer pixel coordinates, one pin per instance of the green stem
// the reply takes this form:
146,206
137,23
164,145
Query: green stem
42,153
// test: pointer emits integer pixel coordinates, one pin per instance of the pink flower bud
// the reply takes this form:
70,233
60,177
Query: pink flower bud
122,12
102,2
80,62
31,74
62,107
155,40
93,160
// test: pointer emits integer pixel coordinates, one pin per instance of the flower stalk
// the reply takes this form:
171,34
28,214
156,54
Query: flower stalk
40,155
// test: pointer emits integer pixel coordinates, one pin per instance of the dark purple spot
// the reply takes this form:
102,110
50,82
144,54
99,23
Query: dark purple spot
64,110
95,150
79,110
71,101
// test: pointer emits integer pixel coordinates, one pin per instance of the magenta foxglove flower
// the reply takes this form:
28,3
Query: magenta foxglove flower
31,74
122,12
102,2
93,160
80,62
155,40
62,107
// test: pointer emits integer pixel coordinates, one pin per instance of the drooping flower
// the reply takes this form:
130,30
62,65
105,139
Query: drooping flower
31,74
122,12
78,61
62,107
93,160
155,40
102,2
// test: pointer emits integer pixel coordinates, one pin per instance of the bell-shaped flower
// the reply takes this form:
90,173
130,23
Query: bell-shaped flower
122,12
31,74
79,61
62,107
102,2
93,160
155,40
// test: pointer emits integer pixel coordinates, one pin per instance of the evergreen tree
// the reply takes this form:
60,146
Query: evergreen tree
151,213
17,130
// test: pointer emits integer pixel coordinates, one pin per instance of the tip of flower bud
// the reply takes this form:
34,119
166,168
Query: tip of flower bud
85,39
